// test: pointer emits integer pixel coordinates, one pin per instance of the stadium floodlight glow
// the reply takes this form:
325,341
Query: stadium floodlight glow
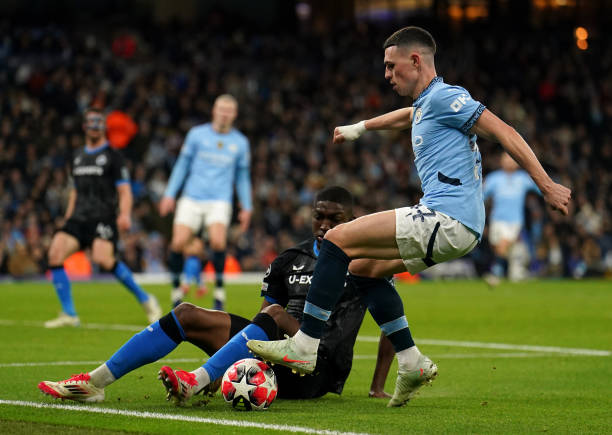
581,33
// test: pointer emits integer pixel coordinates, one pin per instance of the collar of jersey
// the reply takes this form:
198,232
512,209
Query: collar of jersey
95,150
436,79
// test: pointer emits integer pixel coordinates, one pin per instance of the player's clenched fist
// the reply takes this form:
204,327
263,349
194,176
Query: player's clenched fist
349,132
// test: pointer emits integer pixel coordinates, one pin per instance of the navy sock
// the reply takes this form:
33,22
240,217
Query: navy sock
387,309
149,345
124,275
63,289
218,261
235,349
499,267
175,265
326,288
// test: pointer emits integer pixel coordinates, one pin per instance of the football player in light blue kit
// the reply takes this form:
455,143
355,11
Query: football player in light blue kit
507,187
215,157
446,224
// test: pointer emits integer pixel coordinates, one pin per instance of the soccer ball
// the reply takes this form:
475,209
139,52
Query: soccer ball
249,384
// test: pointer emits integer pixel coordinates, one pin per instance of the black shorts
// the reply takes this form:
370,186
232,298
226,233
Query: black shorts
86,231
290,385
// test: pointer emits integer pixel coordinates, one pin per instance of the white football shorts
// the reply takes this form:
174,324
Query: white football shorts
426,237
500,230
198,214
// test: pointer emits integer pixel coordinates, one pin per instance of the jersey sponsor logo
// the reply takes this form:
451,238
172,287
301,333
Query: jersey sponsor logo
300,279
297,268
101,160
418,115
460,102
88,170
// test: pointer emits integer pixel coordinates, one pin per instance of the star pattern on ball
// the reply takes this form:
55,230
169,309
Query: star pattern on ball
242,388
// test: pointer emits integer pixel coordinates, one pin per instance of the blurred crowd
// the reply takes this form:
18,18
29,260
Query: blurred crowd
293,89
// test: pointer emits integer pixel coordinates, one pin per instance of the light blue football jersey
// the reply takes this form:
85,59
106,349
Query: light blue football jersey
446,154
210,164
508,191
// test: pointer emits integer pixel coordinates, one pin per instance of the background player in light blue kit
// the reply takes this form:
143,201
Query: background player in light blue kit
507,188
446,224
215,157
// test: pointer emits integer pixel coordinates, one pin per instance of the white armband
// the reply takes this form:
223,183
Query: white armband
353,131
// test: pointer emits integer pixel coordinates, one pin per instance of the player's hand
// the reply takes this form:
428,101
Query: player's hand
244,217
124,222
379,394
558,197
166,205
349,132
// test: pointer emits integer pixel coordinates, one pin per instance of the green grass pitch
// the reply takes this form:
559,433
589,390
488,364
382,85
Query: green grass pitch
516,359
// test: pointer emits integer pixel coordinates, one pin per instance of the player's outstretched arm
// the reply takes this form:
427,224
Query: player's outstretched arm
399,119
494,129
383,363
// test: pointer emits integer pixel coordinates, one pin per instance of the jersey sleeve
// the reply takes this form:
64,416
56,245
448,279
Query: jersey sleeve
273,288
454,107
243,178
530,185
120,171
182,166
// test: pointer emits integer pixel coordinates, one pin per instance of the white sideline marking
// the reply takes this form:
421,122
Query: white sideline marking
359,357
366,338
175,417
481,345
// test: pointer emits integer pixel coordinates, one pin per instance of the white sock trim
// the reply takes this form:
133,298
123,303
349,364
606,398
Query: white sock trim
101,376
408,359
202,377
305,344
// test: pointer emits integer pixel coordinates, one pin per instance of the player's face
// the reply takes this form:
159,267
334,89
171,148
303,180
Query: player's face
224,113
325,216
400,70
94,125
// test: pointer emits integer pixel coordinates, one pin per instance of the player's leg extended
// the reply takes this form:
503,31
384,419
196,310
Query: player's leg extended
371,236
221,335
385,305
152,343
62,246
103,253
218,243
181,236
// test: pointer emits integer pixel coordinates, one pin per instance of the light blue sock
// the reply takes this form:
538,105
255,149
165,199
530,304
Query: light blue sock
192,269
124,275
235,349
149,345
63,290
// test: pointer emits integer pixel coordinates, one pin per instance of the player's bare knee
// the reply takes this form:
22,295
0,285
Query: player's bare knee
184,312
274,311
105,262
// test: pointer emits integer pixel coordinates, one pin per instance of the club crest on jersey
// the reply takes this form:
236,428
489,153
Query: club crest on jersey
418,115
220,144
101,160
77,160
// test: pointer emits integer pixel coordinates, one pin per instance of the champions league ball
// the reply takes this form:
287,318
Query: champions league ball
249,384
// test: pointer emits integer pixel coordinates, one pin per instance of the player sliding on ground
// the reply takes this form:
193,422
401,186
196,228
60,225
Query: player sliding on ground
446,224
224,335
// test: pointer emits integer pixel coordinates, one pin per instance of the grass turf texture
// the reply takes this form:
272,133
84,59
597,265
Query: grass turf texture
477,391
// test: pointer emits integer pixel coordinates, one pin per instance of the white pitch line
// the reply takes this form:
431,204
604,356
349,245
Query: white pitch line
175,417
481,345
374,339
